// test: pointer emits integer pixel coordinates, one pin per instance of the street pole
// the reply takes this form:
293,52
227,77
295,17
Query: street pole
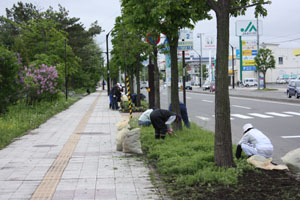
183,77
257,34
107,57
241,60
66,70
232,49
200,57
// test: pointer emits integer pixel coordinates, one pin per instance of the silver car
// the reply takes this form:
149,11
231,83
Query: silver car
293,89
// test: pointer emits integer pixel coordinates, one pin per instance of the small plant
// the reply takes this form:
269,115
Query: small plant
125,106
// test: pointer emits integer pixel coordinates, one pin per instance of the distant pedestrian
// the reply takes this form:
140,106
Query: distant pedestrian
161,121
115,96
184,114
88,91
254,142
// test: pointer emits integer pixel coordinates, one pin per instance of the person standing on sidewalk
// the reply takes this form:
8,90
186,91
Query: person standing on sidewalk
254,142
161,120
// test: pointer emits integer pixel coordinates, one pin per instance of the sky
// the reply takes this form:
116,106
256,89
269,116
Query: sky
281,26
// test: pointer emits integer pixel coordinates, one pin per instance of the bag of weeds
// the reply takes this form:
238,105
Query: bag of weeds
131,142
120,137
122,124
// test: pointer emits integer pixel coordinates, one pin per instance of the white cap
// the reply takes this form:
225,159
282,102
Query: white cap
247,126
118,84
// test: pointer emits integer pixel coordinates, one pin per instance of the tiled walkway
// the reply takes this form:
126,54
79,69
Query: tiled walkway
73,156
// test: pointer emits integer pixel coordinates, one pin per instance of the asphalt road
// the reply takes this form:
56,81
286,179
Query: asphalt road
278,120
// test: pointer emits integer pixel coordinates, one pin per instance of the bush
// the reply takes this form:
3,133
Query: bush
125,106
9,68
39,83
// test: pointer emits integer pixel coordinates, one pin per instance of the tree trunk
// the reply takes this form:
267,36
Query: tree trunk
264,73
156,78
223,141
137,75
173,42
151,93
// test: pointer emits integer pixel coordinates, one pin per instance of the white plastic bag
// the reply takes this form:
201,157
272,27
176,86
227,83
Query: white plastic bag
292,160
119,139
131,142
122,124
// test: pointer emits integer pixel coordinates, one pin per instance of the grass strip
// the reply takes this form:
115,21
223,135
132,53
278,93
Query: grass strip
21,118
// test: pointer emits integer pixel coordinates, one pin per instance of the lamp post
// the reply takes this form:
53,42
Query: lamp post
107,57
199,35
66,70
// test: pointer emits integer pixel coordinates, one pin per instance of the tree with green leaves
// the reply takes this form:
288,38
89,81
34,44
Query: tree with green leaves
168,17
9,68
224,9
264,60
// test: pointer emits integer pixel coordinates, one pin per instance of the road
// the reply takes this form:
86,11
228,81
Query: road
278,120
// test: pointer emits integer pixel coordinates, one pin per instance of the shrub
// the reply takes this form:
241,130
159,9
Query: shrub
9,68
125,106
39,83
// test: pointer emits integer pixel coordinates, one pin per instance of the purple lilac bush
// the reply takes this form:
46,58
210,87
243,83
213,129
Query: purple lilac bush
39,83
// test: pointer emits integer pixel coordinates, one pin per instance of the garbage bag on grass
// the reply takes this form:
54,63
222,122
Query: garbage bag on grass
131,142
122,124
264,163
119,139
292,160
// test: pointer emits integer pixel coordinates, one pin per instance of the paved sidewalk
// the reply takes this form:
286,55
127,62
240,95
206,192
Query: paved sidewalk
73,156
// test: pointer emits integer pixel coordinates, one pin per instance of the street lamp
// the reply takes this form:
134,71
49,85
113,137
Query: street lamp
107,56
199,35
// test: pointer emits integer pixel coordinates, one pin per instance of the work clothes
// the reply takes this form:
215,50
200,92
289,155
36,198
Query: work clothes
161,120
144,119
116,96
184,114
254,142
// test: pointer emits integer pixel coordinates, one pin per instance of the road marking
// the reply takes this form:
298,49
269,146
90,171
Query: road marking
237,106
188,97
293,113
266,101
260,115
278,114
208,101
241,116
203,118
289,137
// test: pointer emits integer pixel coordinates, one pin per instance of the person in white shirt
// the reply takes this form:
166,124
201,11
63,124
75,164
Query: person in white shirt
144,119
254,142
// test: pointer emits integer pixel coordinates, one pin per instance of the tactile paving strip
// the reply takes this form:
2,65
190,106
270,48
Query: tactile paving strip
48,185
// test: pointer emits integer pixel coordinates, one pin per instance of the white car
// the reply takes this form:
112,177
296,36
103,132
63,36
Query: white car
281,81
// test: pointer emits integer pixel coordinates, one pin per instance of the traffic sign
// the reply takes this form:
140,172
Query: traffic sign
153,38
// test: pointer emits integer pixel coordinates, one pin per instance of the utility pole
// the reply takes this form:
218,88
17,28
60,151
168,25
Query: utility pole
66,70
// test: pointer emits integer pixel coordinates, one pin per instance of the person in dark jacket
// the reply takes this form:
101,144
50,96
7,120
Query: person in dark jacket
184,114
115,96
161,120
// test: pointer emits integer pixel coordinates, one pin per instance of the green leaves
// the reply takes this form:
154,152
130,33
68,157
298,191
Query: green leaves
264,60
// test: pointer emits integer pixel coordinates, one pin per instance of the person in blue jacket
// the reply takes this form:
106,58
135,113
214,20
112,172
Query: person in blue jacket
184,114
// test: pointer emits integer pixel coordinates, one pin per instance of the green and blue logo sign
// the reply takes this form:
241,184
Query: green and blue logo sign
248,28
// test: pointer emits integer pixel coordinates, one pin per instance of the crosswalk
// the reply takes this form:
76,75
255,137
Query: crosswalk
266,115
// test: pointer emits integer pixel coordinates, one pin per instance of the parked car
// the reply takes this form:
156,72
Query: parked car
281,81
206,85
248,82
144,84
293,89
188,86
212,86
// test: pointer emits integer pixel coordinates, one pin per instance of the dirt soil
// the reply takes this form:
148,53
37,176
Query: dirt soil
261,185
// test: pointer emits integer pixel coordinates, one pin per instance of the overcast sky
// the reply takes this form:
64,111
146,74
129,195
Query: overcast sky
282,25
